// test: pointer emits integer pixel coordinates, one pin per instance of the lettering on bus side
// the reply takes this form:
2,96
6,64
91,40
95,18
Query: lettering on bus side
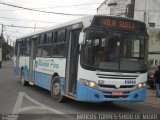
47,63
42,63
54,65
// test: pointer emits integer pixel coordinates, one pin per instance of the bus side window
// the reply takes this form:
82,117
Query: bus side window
46,52
39,48
55,39
62,35
28,43
52,39
39,51
48,37
24,47
59,43
21,47
42,39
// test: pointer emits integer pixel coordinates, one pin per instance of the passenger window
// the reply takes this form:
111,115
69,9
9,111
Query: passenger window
42,38
62,35
48,38
39,51
46,52
55,39
59,50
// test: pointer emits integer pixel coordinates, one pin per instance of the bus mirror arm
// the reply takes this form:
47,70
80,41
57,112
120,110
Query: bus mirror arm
82,38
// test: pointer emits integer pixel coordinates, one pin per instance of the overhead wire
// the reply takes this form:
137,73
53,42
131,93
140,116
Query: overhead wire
15,19
23,26
42,11
69,6
57,6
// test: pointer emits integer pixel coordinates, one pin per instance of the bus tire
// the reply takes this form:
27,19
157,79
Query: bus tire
56,90
22,80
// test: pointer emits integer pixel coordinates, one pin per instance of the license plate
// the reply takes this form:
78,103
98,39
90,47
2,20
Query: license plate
130,82
117,93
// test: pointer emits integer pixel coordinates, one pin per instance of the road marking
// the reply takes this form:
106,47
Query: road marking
17,107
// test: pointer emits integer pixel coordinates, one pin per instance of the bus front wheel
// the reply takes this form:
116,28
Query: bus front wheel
56,90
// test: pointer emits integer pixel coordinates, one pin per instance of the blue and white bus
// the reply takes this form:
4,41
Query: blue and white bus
94,59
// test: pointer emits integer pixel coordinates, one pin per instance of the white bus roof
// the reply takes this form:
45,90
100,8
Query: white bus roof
86,18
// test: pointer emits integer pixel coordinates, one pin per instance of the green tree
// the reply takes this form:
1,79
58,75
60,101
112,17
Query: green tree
7,51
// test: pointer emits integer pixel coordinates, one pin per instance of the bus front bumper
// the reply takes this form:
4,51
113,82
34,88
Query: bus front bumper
88,94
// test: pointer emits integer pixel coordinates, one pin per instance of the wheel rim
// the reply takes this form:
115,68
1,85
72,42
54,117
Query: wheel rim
56,89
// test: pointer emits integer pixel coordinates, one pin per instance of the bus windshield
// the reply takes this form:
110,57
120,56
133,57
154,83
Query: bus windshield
114,51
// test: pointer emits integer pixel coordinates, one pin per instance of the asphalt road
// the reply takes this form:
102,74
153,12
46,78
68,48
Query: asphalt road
17,99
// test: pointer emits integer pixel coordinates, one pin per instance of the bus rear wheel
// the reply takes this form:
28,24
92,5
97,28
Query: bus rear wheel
56,91
22,80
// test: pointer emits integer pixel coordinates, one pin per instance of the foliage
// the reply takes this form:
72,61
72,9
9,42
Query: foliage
7,50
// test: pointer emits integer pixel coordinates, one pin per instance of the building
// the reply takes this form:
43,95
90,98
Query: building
154,47
143,10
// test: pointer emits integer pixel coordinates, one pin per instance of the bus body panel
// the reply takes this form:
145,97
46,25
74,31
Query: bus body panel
86,93
44,69
24,62
92,95
43,80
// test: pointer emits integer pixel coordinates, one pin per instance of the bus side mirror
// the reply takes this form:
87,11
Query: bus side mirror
82,38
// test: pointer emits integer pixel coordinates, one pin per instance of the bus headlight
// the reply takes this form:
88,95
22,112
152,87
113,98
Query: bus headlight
140,85
89,83
92,84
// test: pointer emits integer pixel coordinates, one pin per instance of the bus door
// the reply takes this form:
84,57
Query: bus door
72,63
17,56
32,60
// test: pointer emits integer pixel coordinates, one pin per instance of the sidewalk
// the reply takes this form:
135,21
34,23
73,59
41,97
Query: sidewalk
151,97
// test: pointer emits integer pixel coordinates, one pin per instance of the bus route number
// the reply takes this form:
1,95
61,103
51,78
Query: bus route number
100,81
130,81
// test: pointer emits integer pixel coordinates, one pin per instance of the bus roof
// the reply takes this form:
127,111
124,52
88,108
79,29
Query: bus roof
86,20
59,26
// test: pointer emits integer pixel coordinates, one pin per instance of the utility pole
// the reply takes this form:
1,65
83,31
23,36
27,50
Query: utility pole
130,8
35,26
145,12
1,37
7,39
1,40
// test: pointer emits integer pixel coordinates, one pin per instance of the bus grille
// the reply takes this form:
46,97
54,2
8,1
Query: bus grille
109,76
113,86
111,96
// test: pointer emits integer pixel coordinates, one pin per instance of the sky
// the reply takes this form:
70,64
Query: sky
20,17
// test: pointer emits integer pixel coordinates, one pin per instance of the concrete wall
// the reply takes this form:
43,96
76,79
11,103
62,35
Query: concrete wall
154,44
120,8
104,8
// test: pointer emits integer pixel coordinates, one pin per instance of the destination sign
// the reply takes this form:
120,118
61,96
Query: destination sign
119,23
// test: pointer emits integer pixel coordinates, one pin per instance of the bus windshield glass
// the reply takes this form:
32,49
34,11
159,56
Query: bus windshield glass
114,51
